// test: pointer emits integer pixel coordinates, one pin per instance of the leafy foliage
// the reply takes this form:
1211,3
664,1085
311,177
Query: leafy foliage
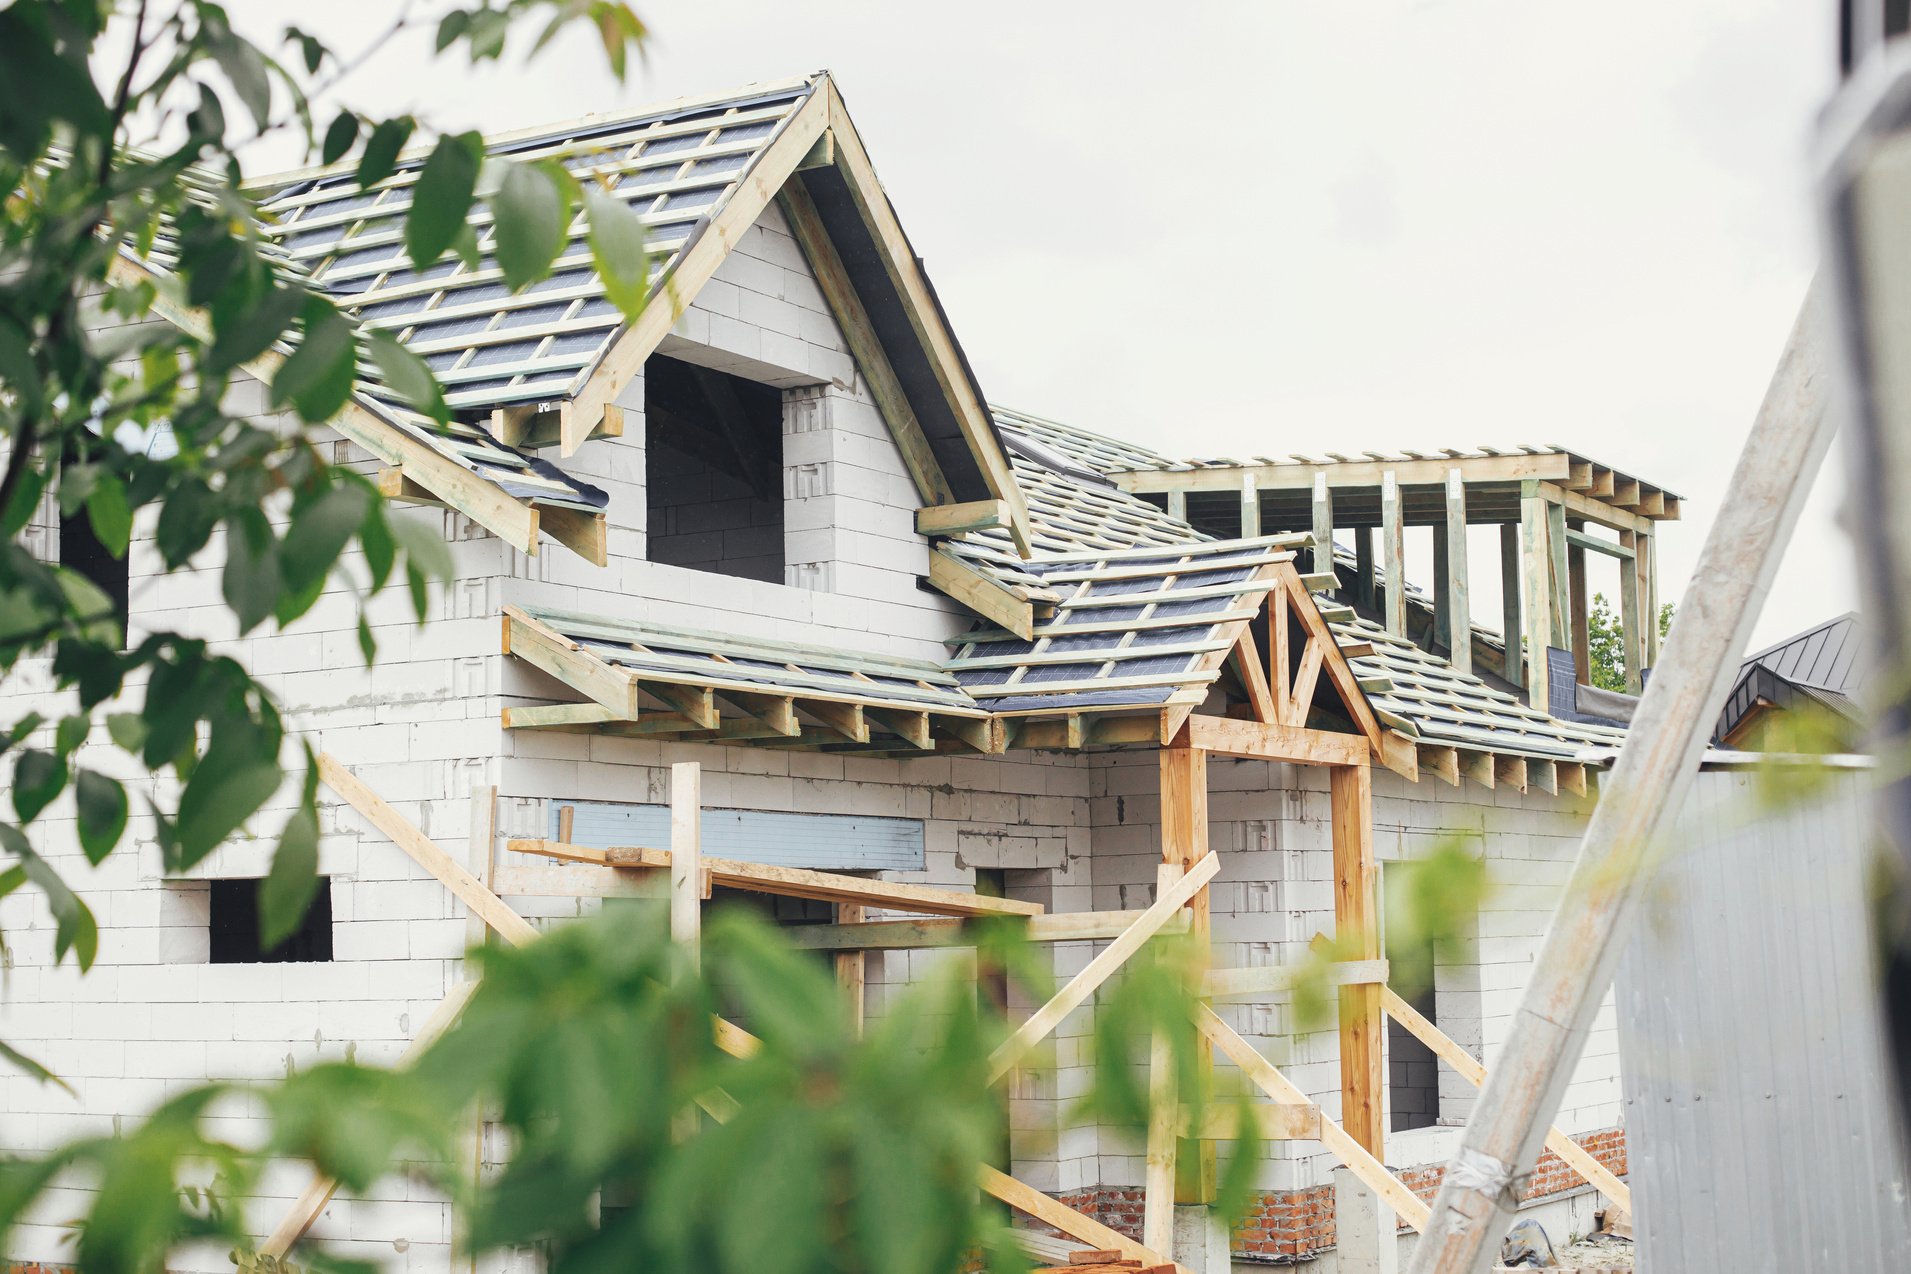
127,201
636,1142
1606,639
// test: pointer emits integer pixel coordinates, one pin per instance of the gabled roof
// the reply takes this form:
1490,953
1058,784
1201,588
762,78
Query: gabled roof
1826,666
699,173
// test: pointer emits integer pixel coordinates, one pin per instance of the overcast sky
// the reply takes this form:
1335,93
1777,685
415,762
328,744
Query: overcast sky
1275,226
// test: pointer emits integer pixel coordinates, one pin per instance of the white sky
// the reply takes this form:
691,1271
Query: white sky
1229,228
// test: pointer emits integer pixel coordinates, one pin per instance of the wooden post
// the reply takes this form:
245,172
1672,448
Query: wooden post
1646,563
1459,602
1510,623
1250,508
1578,621
1280,672
850,966
481,858
686,855
1184,842
1364,566
1357,926
1323,524
1393,547
1535,557
1159,1192
1556,571
1631,615
1178,505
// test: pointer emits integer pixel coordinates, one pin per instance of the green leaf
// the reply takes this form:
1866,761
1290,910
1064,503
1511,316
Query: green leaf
441,199
17,370
381,149
408,376
487,31
70,733
74,928
317,379
127,729
618,249
245,66
20,1061
251,333
424,547
532,215
222,794
367,644
102,807
38,777
292,882
320,531
452,26
112,519
339,138
375,537
252,581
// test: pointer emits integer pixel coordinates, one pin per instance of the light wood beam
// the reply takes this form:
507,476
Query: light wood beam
1459,600
1184,844
981,594
1250,509
1393,548
1323,561
1579,620
1357,923
1538,592
1631,616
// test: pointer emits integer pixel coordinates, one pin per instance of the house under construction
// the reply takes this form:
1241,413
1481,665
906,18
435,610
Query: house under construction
769,553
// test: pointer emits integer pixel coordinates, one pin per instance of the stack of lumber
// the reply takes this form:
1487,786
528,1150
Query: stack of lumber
1104,1261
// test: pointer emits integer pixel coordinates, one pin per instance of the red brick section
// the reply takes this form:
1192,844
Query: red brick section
34,1267
1291,1224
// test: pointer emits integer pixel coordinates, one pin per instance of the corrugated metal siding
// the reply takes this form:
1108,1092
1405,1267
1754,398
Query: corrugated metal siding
1758,1125
822,842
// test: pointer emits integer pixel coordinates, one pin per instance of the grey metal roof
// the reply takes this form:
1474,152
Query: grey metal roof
1825,665
676,167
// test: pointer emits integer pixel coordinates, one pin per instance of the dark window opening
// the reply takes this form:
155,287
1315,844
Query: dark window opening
714,471
1413,1072
81,551
235,927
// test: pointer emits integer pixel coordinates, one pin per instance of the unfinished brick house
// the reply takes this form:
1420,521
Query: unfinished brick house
930,656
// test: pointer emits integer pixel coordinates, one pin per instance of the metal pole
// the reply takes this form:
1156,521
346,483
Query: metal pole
1646,789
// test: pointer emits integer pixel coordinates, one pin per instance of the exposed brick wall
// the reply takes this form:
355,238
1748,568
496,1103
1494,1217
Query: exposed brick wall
1285,1225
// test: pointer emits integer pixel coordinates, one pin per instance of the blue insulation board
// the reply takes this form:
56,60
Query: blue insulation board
822,842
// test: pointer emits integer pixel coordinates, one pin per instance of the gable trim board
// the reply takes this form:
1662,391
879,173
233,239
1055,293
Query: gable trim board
423,455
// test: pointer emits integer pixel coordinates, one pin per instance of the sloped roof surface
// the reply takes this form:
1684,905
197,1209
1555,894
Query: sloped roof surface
1828,657
676,167
1134,628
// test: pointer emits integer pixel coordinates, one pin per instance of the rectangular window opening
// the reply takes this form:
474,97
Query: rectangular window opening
234,927
714,445
1413,1070
82,553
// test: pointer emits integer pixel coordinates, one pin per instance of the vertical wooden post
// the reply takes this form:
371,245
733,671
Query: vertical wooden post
1442,590
1280,672
1459,602
686,855
1647,564
1556,571
1632,619
1323,524
1577,623
1364,566
1357,925
481,859
850,966
1250,508
1510,623
1159,1191
1184,842
1536,558
1393,548
1178,505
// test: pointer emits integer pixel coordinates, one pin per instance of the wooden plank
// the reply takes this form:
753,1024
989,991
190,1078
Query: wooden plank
1572,777
1338,672
1631,618
1032,1202
987,735
1645,570
981,594
697,703
1401,755
1598,512
1268,1078
1579,621
793,882
954,519
910,935
1262,980
1444,763
1581,540
1556,467
1279,658
1158,1162
548,715
1542,775
572,880
1357,922
846,719
1393,548
775,712
1274,1121
1245,659
1301,698
925,315
1511,623
1510,770
1184,845
1178,505
585,534
508,924
686,857
1250,509
904,724
1538,592
624,361
1477,766
1468,1068
1459,598
1100,969
1323,509
550,651
851,965
1561,612
852,319
1270,742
